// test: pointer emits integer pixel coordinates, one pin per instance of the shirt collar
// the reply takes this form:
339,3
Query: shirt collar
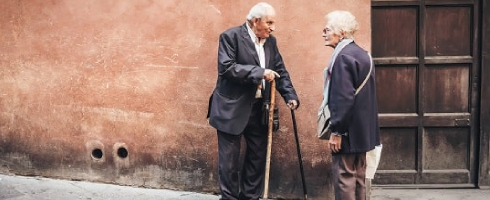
253,36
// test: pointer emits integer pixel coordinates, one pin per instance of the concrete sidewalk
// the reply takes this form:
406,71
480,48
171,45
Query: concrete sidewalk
430,194
36,188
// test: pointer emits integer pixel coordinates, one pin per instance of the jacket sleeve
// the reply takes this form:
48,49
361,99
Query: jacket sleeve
342,93
229,69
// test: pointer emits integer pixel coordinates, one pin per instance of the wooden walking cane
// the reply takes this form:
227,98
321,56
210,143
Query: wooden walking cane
269,139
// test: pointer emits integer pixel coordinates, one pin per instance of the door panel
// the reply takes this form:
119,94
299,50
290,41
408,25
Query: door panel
403,141
426,66
445,148
403,88
452,27
447,89
399,43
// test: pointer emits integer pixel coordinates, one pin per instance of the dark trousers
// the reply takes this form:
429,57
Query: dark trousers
249,185
349,174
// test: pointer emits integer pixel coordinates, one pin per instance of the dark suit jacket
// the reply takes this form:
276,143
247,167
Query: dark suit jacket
239,73
356,115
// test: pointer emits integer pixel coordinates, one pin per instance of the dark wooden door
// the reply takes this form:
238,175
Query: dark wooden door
427,70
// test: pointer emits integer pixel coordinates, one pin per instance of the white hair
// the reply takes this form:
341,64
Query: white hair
342,21
260,10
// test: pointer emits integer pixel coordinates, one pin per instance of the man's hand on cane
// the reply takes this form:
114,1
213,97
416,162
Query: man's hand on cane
270,75
292,104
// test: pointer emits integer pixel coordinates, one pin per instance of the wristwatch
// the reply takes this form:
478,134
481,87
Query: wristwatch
338,134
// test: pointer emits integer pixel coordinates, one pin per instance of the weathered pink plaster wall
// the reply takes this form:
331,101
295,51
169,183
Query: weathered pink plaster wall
129,81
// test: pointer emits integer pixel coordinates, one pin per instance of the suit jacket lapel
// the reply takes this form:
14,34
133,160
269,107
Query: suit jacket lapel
249,45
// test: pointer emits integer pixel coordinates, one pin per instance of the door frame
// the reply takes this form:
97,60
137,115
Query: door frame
484,157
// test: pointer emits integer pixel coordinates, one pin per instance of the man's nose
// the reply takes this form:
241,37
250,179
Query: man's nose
272,27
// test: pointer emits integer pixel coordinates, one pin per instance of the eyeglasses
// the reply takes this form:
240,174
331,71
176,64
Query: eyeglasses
325,30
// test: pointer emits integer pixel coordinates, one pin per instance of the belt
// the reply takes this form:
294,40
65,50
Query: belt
258,100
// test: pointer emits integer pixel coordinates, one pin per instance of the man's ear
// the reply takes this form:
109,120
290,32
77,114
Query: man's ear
343,34
256,21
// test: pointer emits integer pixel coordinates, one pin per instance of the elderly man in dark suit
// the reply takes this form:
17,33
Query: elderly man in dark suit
248,59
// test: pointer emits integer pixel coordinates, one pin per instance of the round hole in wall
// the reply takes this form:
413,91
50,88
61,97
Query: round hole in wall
97,153
122,152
